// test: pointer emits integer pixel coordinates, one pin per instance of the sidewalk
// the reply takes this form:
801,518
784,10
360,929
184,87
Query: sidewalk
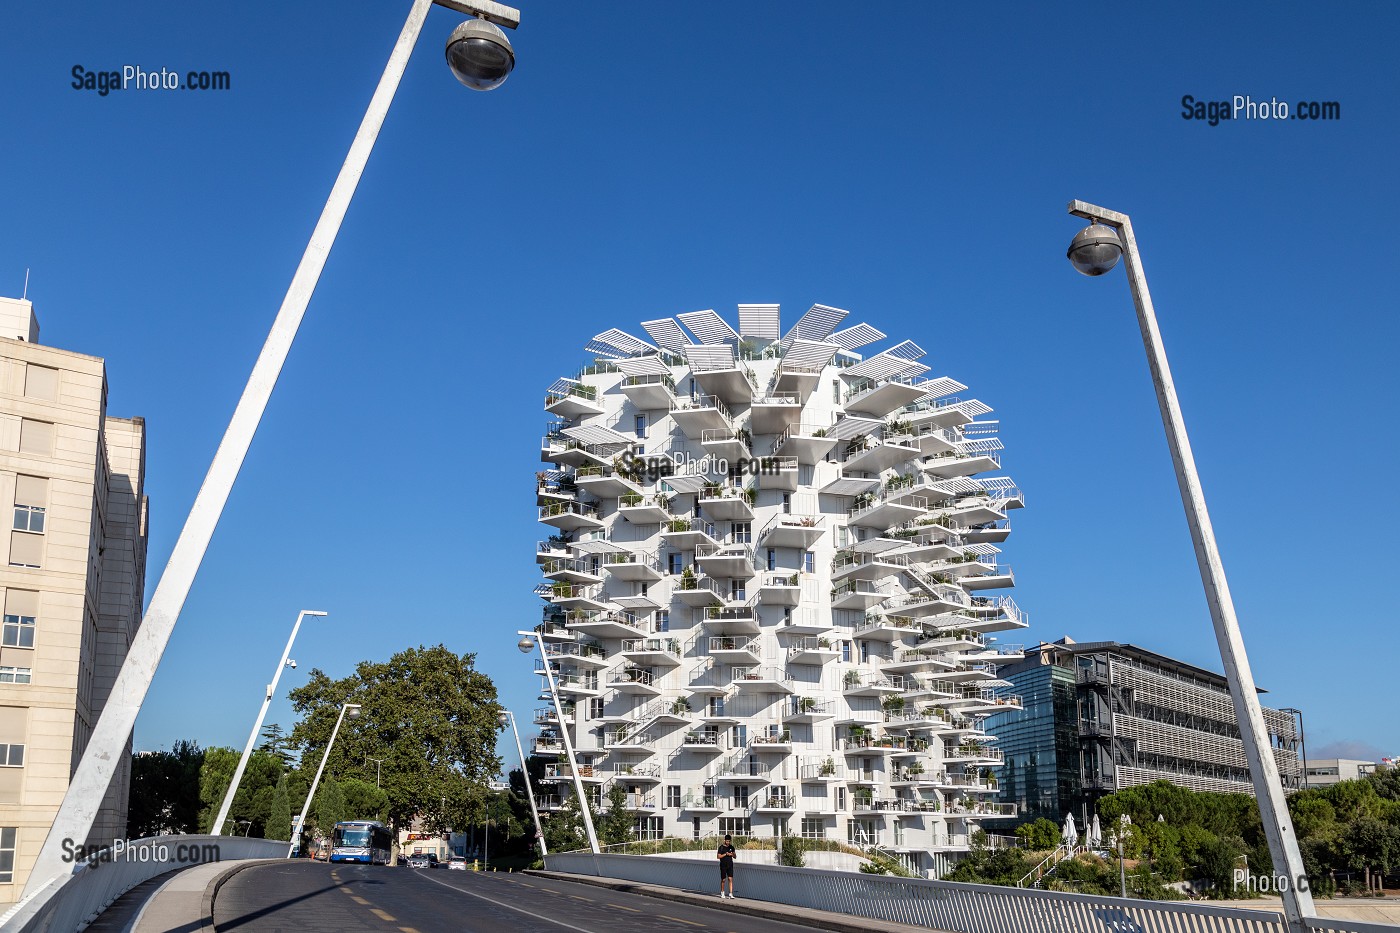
185,903
767,910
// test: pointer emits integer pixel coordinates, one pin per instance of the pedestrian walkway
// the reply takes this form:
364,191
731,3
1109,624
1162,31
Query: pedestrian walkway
184,903
767,910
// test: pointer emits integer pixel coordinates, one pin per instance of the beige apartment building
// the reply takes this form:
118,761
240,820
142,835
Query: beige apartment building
72,578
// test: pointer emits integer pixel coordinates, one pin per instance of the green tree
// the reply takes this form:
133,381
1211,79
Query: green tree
278,743
165,791
363,801
254,797
427,711
1039,835
617,822
279,817
330,806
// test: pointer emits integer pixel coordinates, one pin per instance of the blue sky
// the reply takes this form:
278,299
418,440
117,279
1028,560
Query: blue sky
648,159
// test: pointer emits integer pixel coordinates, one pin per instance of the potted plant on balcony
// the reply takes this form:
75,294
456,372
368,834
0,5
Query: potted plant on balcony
688,581
824,643
828,768
893,705
806,704
680,707
852,679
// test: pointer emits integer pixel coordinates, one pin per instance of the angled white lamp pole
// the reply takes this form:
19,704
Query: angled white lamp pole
354,710
507,717
531,640
1094,251
481,57
217,828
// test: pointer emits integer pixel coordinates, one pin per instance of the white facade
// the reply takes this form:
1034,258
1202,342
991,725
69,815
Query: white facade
797,634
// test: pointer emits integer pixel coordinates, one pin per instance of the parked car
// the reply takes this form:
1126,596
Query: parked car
421,861
457,863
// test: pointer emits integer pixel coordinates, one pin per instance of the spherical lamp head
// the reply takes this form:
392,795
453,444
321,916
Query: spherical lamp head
504,718
480,55
352,710
526,645
1095,249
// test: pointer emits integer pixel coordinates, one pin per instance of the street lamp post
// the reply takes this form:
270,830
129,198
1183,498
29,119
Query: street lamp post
218,827
507,717
481,57
533,639
1094,251
354,710
1124,821
377,763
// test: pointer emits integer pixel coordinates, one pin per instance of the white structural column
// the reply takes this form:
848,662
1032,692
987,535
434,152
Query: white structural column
568,744
108,741
529,791
217,827
1263,770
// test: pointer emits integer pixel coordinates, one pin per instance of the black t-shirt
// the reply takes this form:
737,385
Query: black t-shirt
725,853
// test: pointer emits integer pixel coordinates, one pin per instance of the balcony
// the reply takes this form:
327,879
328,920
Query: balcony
973,754
605,624
644,510
573,401
639,681
641,772
881,627
778,740
652,652
683,534
822,772
771,414
727,503
851,484
547,746
572,570
650,392
730,561
631,567
807,442
640,803
806,621
626,740
860,566
585,654
731,619
973,702
666,711
982,810
872,512
779,589
563,772
604,482
807,710
912,777
944,598
871,684
795,531
576,684
998,576
696,592
956,463
879,397
744,768
730,650
704,803
780,473
868,455
726,444
576,596
762,679
876,744
728,379
920,660
812,650
695,415
858,594
987,533
571,516
776,801
703,741
565,451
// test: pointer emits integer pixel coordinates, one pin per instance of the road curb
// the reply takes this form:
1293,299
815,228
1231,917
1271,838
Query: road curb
764,910
211,891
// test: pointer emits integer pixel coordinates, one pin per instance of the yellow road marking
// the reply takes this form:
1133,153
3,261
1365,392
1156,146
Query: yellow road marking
359,900
381,914
526,883
679,920
577,898
408,930
620,907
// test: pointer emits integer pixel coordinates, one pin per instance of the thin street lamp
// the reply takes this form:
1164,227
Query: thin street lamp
1124,821
507,717
354,710
377,763
218,827
481,57
530,640
1302,742
1094,251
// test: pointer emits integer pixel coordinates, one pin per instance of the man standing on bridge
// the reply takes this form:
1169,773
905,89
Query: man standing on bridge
725,854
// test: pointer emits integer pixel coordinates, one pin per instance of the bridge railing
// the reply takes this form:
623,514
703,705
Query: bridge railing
947,905
68,903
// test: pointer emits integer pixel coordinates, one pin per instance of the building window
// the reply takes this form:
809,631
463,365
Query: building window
736,591
11,756
29,518
595,707
772,558
15,675
695,827
840,798
640,425
740,798
673,795
35,437
734,826
7,854
898,833
845,652
836,391
809,562
673,562
18,632
743,532
41,382
663,620
813,829
865,652
787,503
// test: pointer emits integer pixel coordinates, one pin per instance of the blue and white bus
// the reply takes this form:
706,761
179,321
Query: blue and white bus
361,841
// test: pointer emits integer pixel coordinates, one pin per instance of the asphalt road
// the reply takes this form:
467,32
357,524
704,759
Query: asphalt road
312,897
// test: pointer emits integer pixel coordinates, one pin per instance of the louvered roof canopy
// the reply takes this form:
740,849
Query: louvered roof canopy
808,354
853,338
667,333
618,343
853,426
708,326
707,357
759,321
596,434
651,365
816,324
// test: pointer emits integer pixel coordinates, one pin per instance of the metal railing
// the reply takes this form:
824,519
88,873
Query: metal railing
948,905
71,902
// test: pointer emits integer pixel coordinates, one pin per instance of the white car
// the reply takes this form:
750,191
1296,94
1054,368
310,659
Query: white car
457,864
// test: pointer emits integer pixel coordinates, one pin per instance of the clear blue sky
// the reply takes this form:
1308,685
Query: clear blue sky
652,158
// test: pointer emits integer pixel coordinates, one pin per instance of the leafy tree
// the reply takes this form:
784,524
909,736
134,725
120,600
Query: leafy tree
278,743
254,797
363,801
279,818
792,851
427,711
1039,835
330,806
616,825
164,795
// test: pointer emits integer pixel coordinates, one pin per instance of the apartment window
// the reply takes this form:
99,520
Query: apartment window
898,833
639,423
41,382
18,631
735,826
31,495
865,652
842,536
836,391
663,620
846,652
740,798
673,795
695,827
11,756
673,562
7,854
743,532
35,437
716,707
26,549
739,735
736,590
772,558
15,675
813,829
840,798
809,562
595,707
787,503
